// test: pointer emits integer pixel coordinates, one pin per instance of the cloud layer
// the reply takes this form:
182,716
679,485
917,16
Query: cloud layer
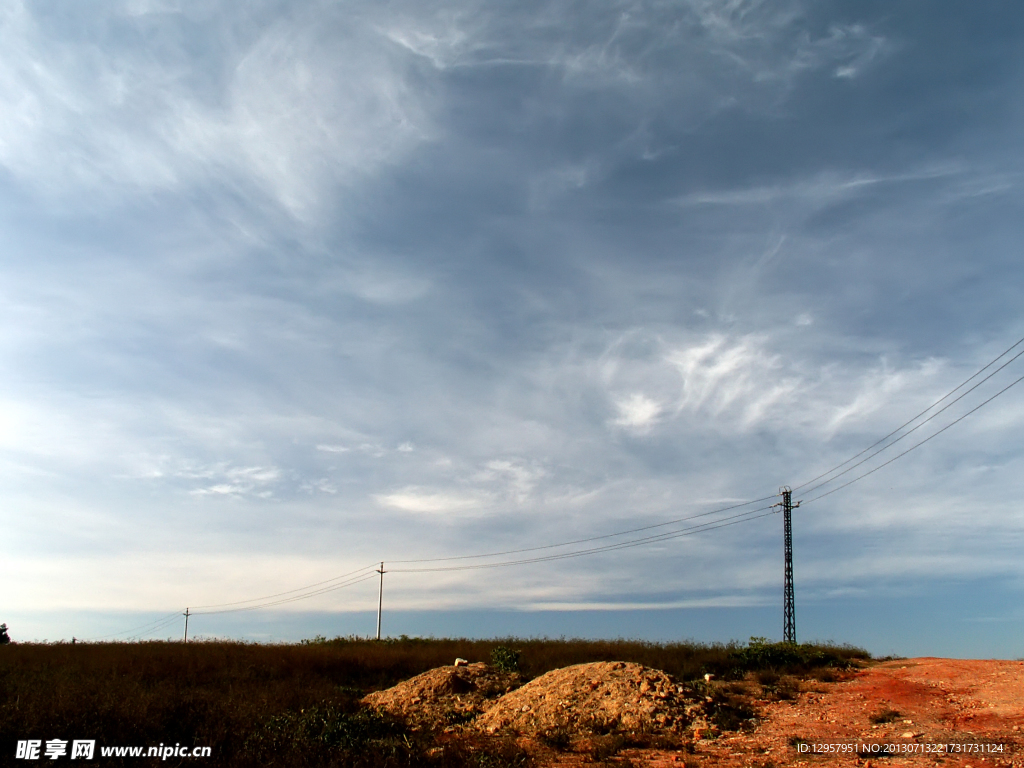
324,284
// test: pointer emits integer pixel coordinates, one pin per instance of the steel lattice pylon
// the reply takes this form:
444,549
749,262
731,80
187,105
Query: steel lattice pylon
789,610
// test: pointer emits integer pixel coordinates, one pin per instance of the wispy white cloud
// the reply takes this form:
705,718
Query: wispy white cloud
724,382
323,485
718,601
637,411
232,481
429,501
821,190
297,113
717,376
510,479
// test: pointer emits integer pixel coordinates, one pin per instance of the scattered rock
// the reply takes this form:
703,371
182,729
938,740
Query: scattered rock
598,698
445,696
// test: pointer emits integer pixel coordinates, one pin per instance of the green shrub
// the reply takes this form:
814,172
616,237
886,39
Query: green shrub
505,659
761,654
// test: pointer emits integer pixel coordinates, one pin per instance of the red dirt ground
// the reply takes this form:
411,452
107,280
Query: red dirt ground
942,703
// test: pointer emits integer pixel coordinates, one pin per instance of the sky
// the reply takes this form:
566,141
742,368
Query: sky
288,289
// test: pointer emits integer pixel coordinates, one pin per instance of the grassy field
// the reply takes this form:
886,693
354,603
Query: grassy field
292,705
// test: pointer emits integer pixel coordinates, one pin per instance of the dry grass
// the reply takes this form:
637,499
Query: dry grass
282,705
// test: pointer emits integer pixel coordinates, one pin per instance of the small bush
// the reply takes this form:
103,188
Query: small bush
761,654
505,659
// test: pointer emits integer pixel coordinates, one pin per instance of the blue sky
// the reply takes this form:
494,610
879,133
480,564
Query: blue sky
292,288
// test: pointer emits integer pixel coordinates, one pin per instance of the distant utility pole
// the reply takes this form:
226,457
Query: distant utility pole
380,597
186,625
789,601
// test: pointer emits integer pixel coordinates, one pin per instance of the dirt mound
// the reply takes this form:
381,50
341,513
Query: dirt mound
446,695
602,697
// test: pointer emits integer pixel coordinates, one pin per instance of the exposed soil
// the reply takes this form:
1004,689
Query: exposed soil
598,698
913,705
446,696
896,713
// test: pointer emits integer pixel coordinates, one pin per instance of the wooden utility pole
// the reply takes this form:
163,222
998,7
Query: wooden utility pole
186,625
380,596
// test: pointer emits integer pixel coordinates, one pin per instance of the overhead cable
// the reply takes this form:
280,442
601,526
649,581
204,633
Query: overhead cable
587,539
288,592
152,626
922,413
917,445
708,526
911,431
321,591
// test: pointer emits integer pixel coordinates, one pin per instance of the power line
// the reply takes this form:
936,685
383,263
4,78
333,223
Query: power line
922,413
288,592
708,526
172,618
359,576
918,445
152,626
268,600
322,591
585,540
911,431
170,621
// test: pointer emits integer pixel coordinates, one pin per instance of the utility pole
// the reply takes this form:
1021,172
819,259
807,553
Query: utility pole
186,625
788,598
380,597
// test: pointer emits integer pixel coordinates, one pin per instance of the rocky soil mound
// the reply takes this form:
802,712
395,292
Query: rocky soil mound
602,697
446,695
